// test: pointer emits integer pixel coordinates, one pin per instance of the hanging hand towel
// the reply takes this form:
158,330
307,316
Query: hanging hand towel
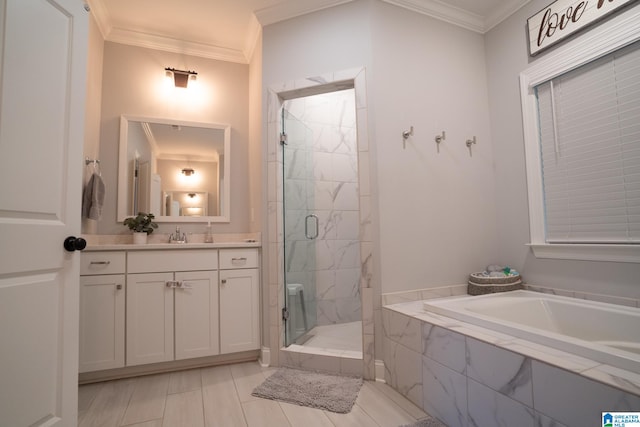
93,197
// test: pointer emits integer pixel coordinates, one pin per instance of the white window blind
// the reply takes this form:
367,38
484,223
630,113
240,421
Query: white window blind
589,121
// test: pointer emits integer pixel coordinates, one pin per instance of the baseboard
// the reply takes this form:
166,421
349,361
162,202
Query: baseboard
265,357
379,364
174,365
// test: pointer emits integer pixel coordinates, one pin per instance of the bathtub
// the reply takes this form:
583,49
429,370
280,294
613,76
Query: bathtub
606,333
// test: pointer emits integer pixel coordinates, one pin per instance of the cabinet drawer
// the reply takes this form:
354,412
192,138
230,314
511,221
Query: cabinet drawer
172,260
92,263
238,258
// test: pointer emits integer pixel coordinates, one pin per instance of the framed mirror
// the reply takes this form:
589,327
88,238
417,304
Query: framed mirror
177,170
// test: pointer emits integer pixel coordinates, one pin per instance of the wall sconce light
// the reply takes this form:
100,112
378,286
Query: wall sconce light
188,171
191,195
180,77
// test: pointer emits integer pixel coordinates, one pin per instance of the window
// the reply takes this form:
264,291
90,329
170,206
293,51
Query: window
581,116
589,121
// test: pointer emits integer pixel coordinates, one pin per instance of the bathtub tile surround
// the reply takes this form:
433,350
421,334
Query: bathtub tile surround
444,345
422,294
488,408
503,371
472,376
402,364
402,329
575,400
444,393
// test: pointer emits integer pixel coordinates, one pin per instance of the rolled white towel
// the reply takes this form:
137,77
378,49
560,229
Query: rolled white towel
494,267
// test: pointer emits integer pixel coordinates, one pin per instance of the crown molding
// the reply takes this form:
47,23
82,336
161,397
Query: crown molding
252,37
502,12
443,12
460,17
152,41
167,44
101,15
287,10
293,8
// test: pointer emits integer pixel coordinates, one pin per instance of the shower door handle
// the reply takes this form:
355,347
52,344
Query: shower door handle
306,226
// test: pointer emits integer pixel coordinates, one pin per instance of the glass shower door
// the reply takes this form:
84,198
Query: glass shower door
300,230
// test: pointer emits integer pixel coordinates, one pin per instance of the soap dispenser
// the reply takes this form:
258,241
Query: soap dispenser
208,237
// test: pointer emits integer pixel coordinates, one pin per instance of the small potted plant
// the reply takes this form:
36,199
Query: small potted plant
142,225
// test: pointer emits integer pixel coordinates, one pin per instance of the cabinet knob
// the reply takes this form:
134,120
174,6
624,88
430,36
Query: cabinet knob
118,286
223,281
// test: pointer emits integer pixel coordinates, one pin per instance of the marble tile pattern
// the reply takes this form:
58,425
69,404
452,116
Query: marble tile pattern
347,195
333,348
472,376
321,177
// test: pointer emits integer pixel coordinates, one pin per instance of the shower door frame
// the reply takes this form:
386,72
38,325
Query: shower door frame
369,278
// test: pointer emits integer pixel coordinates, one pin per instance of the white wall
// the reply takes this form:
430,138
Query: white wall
437,210
91,146
134,84
325,41
506,53
255,136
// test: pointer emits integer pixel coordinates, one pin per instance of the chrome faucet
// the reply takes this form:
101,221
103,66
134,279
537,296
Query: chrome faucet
177,237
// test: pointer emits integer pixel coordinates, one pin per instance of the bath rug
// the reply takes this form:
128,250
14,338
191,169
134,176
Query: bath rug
425,422
330,392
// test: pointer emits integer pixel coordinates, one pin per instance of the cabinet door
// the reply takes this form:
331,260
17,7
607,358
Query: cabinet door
149,318
101,322
239,310
196,314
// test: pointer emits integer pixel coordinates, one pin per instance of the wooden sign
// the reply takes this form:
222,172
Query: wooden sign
563,18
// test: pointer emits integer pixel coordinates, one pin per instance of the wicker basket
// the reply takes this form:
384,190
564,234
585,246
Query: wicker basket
482,285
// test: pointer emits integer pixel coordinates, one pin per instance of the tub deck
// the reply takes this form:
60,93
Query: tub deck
603,332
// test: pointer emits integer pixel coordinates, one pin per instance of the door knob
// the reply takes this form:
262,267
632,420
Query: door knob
73,243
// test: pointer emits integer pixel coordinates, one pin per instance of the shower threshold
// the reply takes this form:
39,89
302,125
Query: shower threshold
343,339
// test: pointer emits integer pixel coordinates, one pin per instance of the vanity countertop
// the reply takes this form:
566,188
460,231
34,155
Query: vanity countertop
119,242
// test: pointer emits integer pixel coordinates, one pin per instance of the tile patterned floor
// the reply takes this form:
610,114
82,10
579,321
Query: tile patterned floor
221,396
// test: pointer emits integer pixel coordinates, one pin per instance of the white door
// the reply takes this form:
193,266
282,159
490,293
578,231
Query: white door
43,54
196,315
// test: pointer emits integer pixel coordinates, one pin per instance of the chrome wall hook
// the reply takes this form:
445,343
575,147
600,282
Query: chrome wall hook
439,139
471,142
405,135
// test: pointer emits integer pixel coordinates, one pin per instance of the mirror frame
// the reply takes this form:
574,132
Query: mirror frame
123,170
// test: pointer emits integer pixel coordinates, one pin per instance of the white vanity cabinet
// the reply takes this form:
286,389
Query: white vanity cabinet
172,304
239,300
102,311
160,306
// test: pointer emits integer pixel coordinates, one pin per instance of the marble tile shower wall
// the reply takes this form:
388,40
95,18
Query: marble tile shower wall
464,381
321,177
